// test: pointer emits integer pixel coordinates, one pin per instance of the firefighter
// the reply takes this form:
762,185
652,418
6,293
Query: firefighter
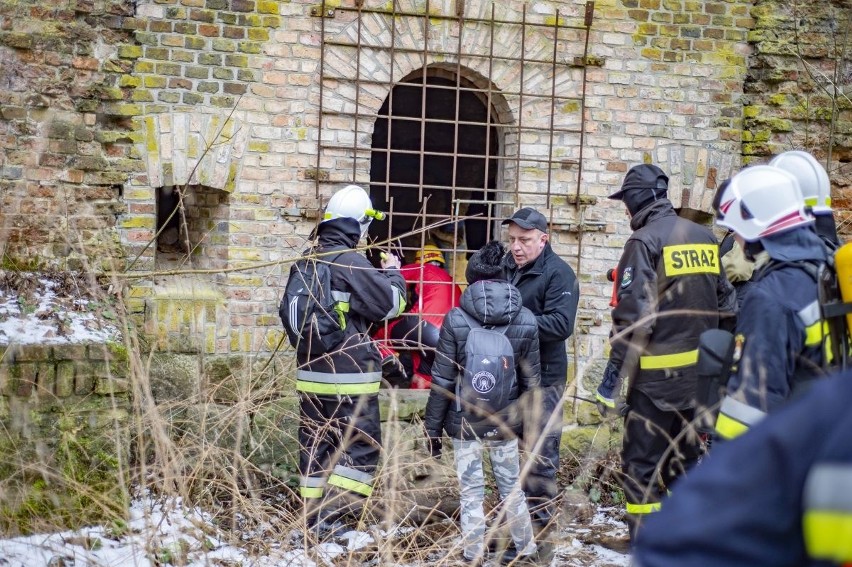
816,191
671,288
339,433
779,496
780,343
433,294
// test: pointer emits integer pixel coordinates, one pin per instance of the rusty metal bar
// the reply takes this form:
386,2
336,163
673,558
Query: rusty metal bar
319,119
462,122
440,17
390,102
357,98
590,11
444,53
423,84
488,164
552,104
520,104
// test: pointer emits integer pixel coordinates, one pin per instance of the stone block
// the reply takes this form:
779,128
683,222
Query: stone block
46,381
174,377
64,378
402,405
69,352
84,379
274,441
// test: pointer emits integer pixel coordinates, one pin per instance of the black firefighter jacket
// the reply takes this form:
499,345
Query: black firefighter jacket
781,337
671,288
491,302
550,290
368,295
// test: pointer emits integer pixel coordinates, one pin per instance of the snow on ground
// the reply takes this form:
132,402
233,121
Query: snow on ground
166,532
52,318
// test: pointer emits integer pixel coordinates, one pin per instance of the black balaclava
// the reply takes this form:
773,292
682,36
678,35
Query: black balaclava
643,184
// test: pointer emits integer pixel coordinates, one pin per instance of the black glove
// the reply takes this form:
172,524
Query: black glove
392,368
436,446
609,391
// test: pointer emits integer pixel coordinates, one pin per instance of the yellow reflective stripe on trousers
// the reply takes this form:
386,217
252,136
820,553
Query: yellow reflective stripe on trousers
311,491
340,384
663,361
351,480
643,508
827,517
311,486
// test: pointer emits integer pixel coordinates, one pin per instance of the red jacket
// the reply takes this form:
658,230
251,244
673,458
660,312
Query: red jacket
436,292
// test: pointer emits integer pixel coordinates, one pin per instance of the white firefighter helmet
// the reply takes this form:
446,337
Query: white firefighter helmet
812,178
761,201
354,203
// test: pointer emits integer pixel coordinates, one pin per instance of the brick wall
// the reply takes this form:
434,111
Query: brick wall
65,138
64,434
224,95
801,53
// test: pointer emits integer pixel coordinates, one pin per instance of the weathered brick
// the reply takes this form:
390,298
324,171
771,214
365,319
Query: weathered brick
65,378
195,42
196,72
46,380
208,87
208,16
234,32
242,5
235,88
213,59
192,98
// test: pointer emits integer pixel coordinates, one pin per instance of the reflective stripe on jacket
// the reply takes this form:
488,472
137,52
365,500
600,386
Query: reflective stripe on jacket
671,288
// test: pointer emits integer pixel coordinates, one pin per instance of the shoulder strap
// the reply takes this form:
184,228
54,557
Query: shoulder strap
811,267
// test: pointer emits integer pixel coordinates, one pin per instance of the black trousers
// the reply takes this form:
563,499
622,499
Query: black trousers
339,444
658,447
540,483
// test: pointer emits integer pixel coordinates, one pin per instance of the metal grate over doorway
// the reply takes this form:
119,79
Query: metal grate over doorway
452,112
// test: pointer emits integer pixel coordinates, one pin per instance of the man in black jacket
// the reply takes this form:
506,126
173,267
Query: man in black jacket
671,288
550,290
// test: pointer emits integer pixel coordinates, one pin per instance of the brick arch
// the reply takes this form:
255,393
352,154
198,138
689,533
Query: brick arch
193,148
493,77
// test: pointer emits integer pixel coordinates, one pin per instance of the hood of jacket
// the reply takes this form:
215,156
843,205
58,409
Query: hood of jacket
492,302
657,209
337,233
801,243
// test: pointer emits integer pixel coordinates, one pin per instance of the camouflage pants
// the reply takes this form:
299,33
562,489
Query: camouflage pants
506,467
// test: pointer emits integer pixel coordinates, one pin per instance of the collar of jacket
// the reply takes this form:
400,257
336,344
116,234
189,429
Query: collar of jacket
535,267
658,209
801,243
343,232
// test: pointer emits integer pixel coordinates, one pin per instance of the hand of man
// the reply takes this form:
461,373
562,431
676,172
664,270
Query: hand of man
390,261
608,390
392,367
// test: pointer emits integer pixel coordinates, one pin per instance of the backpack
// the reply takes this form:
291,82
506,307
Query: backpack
307,309
489,384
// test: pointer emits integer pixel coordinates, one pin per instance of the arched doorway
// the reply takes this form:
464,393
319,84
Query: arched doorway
435,160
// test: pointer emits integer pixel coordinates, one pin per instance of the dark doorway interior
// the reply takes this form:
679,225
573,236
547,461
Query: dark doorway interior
437,145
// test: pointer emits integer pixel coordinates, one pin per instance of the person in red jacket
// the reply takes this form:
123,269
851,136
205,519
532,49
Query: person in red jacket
433,294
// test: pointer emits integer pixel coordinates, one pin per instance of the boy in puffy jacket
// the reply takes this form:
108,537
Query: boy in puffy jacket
492,302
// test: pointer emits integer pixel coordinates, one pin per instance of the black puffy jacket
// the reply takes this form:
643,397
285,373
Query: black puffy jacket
550,290
491,302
